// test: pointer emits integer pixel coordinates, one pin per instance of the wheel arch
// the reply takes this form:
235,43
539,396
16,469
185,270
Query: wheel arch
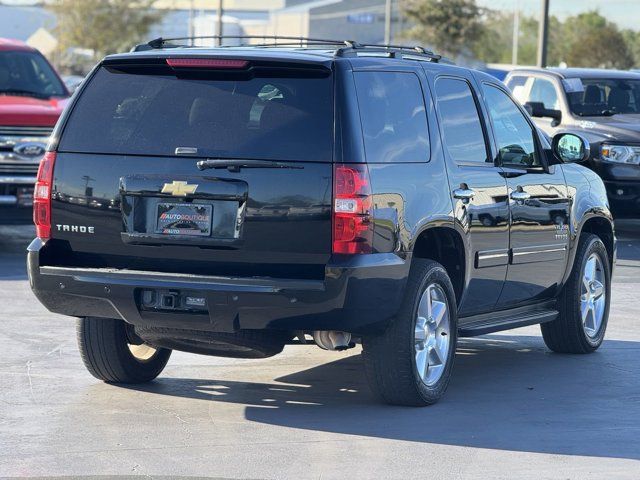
601,226
604,229
446,246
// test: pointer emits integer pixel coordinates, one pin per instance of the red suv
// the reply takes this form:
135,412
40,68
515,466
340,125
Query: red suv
32,97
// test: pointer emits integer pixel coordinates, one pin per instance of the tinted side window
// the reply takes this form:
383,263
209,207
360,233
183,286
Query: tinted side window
460,121
513,133
543,91
393,117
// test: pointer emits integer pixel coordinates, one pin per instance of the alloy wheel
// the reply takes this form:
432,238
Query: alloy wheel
142,352
593,296
432,334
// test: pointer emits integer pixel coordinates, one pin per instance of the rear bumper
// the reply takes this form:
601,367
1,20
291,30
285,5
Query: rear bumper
359,293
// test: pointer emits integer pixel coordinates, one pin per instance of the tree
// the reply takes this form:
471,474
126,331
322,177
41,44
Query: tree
584,40
632,39
592,41
102,26
496,42
449,26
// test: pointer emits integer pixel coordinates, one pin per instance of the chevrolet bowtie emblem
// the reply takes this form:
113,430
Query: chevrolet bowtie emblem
178,189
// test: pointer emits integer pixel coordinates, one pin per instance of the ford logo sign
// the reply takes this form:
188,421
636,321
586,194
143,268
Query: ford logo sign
30,149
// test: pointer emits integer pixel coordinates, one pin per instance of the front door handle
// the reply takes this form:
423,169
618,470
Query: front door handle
464,194
520,195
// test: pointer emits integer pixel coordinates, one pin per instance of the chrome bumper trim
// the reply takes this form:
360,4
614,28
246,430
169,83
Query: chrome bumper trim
4,179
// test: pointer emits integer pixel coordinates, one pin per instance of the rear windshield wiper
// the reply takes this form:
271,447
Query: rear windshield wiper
28,93
236,165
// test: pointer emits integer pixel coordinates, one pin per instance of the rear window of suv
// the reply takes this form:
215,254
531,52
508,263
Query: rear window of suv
393,117
272,118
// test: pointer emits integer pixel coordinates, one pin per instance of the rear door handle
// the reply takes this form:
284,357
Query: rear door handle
520,195
464,194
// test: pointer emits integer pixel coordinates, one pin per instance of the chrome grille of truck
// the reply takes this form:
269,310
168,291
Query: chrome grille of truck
15,143
10,131
19,168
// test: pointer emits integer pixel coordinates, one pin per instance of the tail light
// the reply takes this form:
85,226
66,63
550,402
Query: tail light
42,196
352,204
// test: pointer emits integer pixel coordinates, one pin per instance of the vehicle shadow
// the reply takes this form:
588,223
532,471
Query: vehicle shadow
507,392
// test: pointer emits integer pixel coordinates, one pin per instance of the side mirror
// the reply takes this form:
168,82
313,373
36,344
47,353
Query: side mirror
537,109
570,148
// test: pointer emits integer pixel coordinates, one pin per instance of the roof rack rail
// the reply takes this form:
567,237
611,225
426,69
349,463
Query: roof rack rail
160,43
393,50
343,48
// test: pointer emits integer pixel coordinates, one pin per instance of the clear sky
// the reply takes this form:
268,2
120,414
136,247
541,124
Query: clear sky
625,13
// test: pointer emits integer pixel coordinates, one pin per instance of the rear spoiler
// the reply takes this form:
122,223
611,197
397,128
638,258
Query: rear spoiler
240,65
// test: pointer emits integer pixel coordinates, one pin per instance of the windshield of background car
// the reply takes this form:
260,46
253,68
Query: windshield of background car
603,96
28,73
275,117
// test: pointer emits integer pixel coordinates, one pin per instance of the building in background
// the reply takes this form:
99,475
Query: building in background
206,25
43,41
361,20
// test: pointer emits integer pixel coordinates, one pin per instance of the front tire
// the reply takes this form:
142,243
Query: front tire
410,363
113,354
584,301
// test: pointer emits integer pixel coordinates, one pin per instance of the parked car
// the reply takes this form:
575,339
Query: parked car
601,105
498,70
427,207
32,97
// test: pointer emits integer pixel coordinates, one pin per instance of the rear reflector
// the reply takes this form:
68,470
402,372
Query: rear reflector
206,63
352,203
42,196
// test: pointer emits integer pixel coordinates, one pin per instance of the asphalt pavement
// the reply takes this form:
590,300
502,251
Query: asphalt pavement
513,408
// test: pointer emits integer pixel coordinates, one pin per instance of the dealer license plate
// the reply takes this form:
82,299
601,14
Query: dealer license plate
184,219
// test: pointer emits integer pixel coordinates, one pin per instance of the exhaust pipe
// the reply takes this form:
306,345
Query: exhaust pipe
333,340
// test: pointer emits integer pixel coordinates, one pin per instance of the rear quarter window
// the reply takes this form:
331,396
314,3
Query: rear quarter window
274,118
393,117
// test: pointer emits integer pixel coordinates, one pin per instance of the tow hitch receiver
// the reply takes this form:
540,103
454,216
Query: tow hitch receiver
172,300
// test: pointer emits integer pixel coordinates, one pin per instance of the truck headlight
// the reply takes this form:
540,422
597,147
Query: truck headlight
620,154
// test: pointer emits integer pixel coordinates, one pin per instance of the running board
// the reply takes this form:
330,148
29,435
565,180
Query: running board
506,322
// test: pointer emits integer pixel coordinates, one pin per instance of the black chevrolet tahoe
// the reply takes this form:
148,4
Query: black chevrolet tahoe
603,106
230,201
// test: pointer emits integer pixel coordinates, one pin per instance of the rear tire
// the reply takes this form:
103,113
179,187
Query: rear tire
394,360
111,354
587,293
